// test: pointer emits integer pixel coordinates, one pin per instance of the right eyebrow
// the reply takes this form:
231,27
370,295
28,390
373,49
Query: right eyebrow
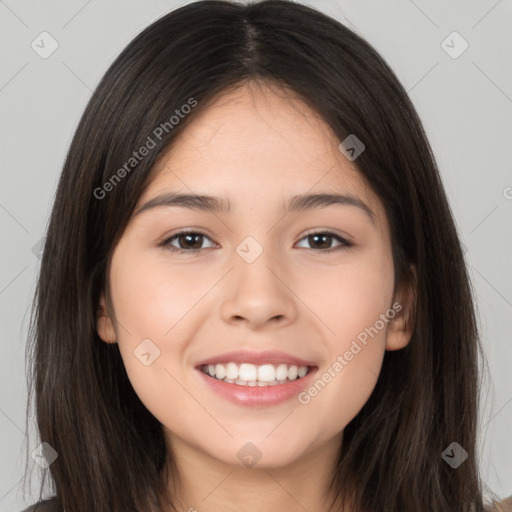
191,201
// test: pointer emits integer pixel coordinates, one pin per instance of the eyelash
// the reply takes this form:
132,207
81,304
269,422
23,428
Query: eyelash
344,244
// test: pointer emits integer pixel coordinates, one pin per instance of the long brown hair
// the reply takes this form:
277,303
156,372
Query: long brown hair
111,450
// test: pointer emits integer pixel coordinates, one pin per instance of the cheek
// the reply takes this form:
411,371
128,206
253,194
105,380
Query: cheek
158,301
354,305
152,299
350,296
151,306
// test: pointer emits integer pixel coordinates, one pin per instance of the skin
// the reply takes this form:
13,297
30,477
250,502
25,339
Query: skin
258,147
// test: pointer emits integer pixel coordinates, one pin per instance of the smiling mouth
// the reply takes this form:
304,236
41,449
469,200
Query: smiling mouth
247,374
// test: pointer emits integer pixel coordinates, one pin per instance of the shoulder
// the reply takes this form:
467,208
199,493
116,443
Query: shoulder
48,505
500,506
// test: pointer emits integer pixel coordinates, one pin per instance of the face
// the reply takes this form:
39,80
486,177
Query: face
260,294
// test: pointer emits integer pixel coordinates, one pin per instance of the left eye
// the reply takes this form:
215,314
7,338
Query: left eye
320,237
191,241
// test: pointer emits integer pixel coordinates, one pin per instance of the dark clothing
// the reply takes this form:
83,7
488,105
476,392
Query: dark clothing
49,505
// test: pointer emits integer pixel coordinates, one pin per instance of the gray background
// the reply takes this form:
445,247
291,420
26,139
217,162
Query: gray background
465,104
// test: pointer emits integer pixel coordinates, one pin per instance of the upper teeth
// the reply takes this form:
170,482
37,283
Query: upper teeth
249,372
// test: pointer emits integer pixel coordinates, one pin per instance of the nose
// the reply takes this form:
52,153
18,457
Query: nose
258,294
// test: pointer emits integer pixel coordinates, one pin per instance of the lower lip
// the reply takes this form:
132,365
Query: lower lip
258,395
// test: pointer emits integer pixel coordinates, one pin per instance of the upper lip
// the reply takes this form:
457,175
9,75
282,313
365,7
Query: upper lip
256,358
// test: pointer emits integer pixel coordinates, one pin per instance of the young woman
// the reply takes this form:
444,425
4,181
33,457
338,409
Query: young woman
252,294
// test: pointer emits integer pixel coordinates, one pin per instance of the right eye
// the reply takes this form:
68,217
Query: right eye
189,239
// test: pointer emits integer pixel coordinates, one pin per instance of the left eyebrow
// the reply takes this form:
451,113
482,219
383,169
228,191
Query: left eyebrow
310,201
223,205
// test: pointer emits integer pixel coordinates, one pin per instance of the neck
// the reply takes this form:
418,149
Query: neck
209,485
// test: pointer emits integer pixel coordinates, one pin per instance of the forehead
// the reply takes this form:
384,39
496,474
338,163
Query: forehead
258,144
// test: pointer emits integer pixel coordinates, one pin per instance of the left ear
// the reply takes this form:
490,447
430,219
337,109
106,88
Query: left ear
401,326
